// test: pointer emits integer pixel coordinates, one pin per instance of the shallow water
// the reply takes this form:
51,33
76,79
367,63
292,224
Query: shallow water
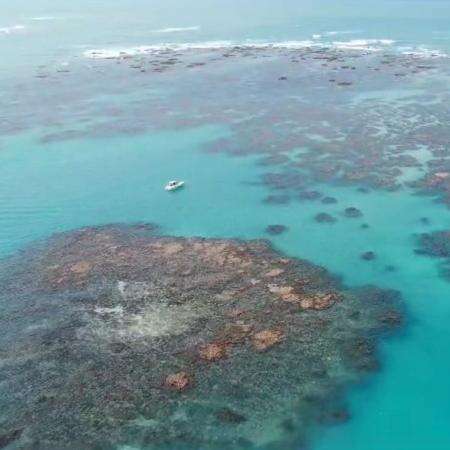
127,136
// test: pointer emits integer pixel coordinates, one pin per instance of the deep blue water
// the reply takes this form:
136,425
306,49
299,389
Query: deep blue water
47,187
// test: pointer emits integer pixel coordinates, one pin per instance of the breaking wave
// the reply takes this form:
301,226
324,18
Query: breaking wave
363,44
423,52
42,18
12,29
176,29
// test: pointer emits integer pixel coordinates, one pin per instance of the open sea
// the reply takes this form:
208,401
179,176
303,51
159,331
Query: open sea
253,104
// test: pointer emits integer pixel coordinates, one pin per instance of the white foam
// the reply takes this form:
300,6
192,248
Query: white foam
289,44
423,52
148,49
12,29
363,44
43,18
176,29
335,33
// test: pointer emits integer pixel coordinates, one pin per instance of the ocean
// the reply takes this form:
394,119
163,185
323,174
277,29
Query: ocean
255,105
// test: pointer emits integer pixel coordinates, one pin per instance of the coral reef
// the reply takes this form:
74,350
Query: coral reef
117,335
348,126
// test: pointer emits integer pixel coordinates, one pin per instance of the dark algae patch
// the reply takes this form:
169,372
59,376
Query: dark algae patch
120,336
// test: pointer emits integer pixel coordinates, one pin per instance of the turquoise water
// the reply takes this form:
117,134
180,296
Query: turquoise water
47,187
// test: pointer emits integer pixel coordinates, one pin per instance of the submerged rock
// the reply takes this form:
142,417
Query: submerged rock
309,195
277,199
324,218
435,244
118,336
9,437
352,212
329,200
228,416
276,229
368,256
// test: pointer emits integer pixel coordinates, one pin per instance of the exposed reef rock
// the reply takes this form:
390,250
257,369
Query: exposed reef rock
118,336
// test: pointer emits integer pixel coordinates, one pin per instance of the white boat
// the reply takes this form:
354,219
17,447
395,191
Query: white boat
174,185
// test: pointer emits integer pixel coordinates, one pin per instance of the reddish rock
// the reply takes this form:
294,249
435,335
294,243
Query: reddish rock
236,312
274,273
280,290
213,352
319,301
235,333
177,381
81,268
266,339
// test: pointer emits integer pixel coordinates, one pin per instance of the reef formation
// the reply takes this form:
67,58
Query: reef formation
116,335
437,245
313,115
